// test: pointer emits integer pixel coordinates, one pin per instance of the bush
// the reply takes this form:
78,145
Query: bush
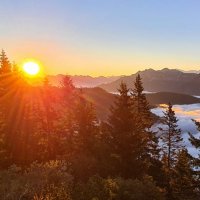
118,189
41,181
52,181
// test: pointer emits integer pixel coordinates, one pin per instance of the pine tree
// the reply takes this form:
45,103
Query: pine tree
143,117
183,182
84,137
4,63
127,145
172,144
14,106
46,116
171,136
121,130
67,100
11,95
68,93
67,84
121,118
85,123
196,161
141,105
15,67
195,141
143,120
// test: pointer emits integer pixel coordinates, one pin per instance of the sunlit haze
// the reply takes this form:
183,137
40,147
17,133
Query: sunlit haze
112,37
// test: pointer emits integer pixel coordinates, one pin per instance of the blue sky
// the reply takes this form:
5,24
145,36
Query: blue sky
102,37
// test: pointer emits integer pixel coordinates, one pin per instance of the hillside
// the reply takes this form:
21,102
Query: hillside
165,80
103,100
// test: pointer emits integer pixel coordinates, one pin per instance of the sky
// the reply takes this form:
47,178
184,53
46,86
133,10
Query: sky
102,37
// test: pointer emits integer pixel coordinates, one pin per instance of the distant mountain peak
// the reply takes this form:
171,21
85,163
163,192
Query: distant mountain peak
164,80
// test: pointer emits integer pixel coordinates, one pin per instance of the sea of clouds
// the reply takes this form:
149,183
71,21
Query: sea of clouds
185,114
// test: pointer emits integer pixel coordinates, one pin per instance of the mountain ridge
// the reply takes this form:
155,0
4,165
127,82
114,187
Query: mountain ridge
165,80
82,80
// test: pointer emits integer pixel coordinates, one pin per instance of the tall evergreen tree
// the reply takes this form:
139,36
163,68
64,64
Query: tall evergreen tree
184,183
172,144
127,144
12,104
4,63
141,105
171,136
84,137
196,161
15,67
46,117
67,99
143,120
195,141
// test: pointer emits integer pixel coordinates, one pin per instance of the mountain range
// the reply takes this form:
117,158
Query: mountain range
82,81
165,80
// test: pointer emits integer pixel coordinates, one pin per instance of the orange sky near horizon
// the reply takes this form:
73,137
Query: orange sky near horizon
106,38
57,59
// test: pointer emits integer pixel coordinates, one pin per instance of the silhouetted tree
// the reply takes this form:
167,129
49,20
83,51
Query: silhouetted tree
127,144
171,145
4,63
143,120
183,183
141,105
15,67
196,161
195,141
171,136
84,138
13,108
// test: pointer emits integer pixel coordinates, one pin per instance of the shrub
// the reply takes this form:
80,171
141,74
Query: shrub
98,188
40,181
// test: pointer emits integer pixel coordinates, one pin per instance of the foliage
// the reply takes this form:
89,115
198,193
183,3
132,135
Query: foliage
171,136
38,181
183,183
118,189
52,145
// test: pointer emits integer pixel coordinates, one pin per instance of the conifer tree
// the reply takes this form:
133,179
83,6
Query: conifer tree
121,130
85,134
172,144
11,95
141,105
196,161
45,117
195,141
85,123
143,121
171,136
121,118
68,93
4,63
183,183
67,99
67,84
15,67
127,145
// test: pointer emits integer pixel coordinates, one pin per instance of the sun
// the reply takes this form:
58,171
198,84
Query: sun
31,68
